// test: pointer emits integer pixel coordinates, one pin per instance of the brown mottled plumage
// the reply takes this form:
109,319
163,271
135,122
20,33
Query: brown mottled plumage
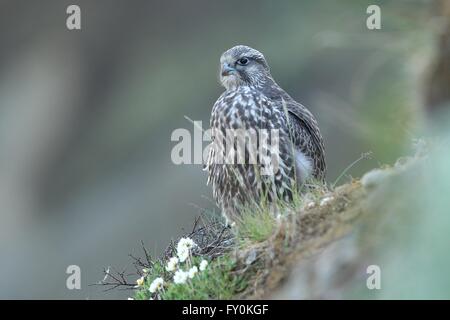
253,100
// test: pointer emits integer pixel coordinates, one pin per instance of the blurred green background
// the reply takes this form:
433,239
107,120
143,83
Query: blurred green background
86,116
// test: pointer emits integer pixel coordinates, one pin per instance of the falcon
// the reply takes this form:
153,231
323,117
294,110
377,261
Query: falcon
254,102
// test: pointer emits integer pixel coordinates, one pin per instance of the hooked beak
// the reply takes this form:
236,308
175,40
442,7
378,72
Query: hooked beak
227,69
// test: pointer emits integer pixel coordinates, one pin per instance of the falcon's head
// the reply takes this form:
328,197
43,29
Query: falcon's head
243,66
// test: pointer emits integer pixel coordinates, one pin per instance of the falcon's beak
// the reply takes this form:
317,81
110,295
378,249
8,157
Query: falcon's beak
227,69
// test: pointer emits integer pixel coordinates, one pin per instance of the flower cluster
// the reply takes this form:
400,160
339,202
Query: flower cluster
180,277
203,265
180,268
156,285
184,250
184,247
140,282
172,264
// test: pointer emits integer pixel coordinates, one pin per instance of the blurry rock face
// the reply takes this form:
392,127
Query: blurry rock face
403,231
324,275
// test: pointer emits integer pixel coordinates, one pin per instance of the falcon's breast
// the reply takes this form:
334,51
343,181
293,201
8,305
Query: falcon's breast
235,184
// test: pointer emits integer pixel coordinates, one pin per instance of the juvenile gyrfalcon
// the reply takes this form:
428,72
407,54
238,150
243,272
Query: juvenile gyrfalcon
253,100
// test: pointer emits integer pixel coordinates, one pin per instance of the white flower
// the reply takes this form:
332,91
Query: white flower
130,299
192,272
145,270
156,285
203,265
140,282
183,248
172,264
180,277
183,254
187,243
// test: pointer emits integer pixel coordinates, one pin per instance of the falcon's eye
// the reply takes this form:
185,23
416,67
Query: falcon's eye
243,61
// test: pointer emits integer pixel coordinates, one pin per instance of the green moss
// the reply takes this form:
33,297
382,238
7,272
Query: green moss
217,282
255,226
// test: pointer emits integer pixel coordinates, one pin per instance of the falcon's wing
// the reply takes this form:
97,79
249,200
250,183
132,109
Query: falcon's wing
306,135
